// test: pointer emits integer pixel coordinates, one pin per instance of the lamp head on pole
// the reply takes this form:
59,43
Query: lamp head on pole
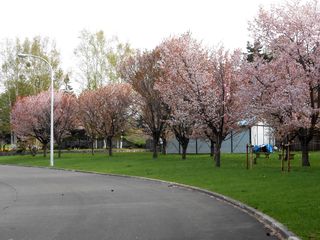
22,55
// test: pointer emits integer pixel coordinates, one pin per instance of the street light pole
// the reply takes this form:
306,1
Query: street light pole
25,55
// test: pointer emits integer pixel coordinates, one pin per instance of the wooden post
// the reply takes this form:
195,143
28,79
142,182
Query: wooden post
196,145
251,156
231,140
282,158
288,157
247,151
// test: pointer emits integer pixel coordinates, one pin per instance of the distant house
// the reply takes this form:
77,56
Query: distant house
234,143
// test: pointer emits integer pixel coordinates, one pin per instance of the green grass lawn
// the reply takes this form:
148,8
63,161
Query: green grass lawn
291,198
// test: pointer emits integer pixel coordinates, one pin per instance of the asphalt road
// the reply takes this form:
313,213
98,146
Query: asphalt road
41,204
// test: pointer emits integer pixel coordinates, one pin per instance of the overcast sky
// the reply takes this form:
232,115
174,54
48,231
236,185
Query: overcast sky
142,23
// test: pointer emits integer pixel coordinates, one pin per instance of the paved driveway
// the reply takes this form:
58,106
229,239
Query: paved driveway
41,204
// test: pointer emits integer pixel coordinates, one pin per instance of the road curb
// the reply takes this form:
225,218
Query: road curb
276,227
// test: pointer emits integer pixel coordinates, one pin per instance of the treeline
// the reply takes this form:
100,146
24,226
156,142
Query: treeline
183,88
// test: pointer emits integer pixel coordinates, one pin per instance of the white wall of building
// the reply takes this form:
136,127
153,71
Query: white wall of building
261,134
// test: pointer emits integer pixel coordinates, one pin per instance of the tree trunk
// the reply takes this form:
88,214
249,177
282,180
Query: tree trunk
217,151
154,149
286,153
59,150
45,150
217,155
164,146
155,142
286,148
184,151
211,148
304,138
184,141
109,145
92,147
96,143
305,153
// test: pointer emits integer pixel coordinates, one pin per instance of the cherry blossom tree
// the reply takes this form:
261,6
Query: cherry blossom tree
269,93
200,87
219,108
142,72
88,114
113,102
290,81
65,116
30,117
173,90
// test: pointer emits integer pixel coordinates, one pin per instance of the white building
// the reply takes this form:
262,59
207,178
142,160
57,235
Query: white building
261,134
235,143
